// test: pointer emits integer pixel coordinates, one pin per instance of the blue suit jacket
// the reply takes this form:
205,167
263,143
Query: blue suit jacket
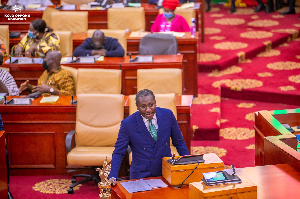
146,153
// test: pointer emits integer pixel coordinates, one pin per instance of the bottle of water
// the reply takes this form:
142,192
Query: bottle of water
193,28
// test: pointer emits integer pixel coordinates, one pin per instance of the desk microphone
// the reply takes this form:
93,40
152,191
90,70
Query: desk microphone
9,59
129,57
233,170
5,102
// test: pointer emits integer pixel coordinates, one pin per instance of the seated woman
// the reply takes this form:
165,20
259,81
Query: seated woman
168,21
38,41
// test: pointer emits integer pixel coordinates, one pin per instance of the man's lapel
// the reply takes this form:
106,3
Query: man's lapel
161,125
142,129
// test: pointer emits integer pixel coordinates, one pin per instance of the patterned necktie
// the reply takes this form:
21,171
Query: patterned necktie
153,130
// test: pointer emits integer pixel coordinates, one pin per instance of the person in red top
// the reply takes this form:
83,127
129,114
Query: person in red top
169,21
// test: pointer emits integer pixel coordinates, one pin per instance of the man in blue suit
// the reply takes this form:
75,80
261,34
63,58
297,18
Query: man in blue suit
147,132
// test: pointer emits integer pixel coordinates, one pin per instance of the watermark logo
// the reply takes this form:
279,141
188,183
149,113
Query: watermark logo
17,8
17,17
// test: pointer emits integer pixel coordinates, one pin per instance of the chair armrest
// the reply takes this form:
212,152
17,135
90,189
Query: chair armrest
68,140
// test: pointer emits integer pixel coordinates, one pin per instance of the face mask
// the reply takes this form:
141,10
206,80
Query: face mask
168,15
45,66
30,34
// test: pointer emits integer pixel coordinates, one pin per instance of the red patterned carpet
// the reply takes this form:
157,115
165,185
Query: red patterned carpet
249,62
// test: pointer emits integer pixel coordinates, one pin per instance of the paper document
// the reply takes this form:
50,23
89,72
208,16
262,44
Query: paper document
136,5
33,6
187,5
51,99
175,34
156,183
138,34
143,185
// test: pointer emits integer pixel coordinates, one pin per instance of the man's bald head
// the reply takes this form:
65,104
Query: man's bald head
98,39
52,60
55,55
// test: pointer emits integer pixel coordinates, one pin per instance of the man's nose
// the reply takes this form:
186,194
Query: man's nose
148,108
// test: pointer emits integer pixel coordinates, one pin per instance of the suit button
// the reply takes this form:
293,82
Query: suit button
166,144
144,148
151,159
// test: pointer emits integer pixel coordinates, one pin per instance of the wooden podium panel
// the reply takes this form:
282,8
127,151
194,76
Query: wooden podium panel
246,189
36,133
274,144
272,181
176,174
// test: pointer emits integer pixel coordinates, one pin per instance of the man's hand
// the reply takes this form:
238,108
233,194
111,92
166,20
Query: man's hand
18,51
113,181
24,86
101,52
30,51
43,88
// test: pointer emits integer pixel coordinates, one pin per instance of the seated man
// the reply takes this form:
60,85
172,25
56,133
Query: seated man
7,82
147,132
54,80
100,45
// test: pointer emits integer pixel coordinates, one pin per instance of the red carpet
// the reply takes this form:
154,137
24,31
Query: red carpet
246,56
50,187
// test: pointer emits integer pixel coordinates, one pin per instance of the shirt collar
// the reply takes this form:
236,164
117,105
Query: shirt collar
146,120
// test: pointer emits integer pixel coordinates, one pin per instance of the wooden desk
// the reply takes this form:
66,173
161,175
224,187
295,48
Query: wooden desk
3,167
36,133
22,72
129,69
274,144
273,181
97,19
31,72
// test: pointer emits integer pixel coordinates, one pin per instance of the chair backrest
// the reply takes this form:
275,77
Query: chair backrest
118,34
158,44
75,21
162,100
73,71
66,2
47,15
66,42
105,81
132,19
186,13
98,119
4,36
160,81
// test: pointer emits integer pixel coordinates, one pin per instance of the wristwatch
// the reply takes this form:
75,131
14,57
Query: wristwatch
51,90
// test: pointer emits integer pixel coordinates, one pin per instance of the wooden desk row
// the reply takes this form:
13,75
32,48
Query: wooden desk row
97,19
187,46
36,133
274,144
273,181
23,72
